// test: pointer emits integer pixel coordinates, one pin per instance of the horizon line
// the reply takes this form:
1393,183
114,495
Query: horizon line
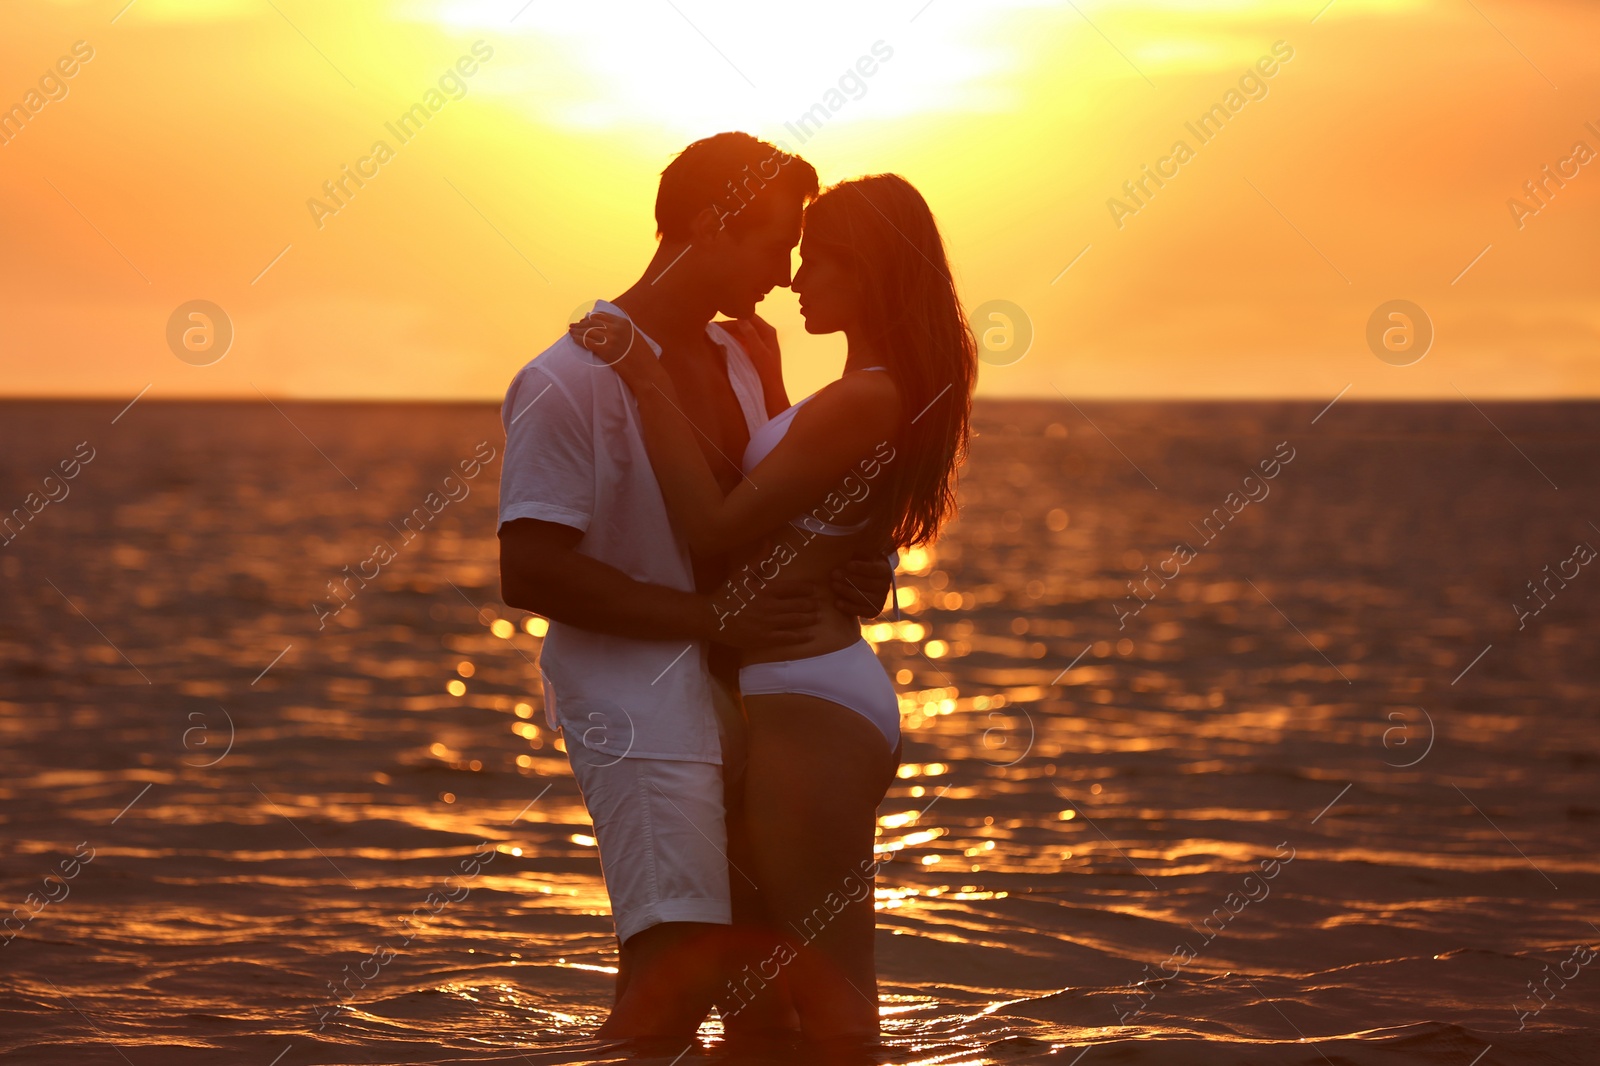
263,398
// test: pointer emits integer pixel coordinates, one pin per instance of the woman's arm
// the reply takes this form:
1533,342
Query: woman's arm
838,428
760,343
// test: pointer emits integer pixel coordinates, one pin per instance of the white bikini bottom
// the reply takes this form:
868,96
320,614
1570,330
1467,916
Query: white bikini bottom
851,677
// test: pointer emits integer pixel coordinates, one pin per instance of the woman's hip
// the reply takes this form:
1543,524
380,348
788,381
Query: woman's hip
850,676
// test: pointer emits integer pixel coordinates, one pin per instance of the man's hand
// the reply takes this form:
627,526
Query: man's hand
862,584
784,612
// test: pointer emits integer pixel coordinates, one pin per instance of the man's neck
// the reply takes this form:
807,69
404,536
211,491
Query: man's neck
666,307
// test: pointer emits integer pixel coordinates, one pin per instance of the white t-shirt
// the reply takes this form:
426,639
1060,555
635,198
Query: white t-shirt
575,456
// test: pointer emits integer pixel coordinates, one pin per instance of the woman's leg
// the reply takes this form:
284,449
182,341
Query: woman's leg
753,1008
816,773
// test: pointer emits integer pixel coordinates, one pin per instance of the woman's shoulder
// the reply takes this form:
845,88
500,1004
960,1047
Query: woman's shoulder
861,388
858,403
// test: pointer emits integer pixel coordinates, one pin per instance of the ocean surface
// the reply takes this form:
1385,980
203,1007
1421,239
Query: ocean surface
1319,786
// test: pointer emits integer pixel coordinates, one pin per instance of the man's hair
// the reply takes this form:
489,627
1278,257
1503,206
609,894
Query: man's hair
739,175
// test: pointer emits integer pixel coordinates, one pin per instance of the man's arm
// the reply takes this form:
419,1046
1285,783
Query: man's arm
546,478
861,584
542,571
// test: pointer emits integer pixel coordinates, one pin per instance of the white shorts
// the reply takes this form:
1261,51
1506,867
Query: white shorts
660,827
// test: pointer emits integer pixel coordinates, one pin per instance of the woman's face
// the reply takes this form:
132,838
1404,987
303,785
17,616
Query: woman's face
830,299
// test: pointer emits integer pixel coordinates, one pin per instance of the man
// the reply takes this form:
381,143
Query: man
635,635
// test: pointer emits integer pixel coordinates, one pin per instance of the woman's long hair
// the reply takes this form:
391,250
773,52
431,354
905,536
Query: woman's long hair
914,319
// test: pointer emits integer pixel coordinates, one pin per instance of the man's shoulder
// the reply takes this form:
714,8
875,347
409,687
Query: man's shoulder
565,358
565,366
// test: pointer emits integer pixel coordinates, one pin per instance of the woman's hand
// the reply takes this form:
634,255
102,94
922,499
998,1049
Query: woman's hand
619,346
760,343
760,340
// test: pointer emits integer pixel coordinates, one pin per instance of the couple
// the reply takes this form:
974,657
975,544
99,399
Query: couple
679,523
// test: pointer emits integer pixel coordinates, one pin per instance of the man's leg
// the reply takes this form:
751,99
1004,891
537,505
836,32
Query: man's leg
659,826
666,980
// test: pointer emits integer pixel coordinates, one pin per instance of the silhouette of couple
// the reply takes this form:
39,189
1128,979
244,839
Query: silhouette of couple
705,551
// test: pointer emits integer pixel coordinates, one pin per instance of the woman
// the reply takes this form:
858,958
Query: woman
868,461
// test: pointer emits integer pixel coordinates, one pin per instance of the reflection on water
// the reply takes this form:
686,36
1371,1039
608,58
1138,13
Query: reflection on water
1256,766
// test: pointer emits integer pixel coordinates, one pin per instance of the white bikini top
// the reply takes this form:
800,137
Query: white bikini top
765,438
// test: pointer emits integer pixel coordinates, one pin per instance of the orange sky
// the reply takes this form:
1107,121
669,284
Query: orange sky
1378,164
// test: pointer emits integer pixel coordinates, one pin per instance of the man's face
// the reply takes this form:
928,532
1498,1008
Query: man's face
751,262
